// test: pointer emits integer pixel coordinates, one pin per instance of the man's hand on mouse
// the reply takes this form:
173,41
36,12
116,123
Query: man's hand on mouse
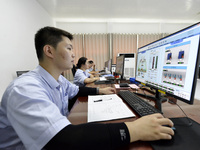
150,128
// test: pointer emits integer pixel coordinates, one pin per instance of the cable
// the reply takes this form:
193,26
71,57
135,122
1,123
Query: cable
144,93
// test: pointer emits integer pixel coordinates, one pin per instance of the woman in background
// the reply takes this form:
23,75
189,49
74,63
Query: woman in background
82,76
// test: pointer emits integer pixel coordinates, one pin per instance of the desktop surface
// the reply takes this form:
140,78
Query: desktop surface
79,114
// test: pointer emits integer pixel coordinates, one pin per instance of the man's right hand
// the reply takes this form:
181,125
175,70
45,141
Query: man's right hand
150,128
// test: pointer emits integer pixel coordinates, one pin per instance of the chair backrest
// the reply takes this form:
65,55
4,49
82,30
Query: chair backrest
19,73
73,70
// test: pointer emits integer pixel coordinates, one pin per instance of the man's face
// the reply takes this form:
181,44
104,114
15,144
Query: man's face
63,55
90,65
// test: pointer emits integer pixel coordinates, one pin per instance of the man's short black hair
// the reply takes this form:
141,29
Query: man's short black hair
51,36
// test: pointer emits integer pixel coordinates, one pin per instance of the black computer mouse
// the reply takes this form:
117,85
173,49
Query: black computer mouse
173,128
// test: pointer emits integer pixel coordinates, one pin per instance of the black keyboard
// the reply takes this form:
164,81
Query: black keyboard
104,82
110,78
142,107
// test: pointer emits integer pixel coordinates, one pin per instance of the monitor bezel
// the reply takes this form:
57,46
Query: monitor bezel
194,82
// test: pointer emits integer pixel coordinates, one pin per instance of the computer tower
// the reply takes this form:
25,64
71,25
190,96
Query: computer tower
129,64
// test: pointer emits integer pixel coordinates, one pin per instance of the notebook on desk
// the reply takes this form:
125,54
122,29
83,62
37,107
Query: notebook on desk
185,138
107,107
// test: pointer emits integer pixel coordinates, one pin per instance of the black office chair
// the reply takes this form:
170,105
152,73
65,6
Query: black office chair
19,73
73,70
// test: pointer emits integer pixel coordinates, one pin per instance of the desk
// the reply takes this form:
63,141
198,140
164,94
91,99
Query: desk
78,115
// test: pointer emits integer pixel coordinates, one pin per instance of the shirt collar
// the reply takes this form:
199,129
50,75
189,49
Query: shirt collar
80,70
48,77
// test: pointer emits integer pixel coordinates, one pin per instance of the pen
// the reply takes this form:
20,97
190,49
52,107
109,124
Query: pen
99,100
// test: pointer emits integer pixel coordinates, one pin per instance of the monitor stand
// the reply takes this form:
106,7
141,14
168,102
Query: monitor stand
157,98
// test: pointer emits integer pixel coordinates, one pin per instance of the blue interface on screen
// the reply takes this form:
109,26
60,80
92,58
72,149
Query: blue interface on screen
171,63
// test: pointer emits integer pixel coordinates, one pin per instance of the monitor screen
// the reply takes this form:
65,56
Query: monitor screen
108,65
170,64
120,65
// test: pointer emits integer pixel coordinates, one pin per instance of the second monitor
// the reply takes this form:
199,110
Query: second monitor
120,66
108,65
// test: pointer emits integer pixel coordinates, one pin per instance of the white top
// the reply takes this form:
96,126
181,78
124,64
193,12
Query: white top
80,76
34,109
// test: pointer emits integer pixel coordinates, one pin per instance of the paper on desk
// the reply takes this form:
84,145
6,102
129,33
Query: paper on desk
133,86
118,87
107,107
102,79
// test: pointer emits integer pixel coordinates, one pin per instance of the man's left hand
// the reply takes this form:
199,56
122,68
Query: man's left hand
107,90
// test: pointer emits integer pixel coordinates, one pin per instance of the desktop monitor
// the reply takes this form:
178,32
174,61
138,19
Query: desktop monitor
170,65
120,66
108,65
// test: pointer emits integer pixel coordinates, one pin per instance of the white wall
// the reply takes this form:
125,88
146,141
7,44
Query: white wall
121,27
20,19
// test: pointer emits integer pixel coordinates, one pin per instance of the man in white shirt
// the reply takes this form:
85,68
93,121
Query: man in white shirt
34,107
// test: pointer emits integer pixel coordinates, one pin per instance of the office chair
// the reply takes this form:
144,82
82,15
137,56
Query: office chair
73,70
19,73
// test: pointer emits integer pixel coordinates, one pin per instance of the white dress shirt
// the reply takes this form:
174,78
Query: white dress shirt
80,76
34,109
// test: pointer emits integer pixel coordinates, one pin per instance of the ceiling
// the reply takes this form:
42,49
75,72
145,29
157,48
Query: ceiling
124,10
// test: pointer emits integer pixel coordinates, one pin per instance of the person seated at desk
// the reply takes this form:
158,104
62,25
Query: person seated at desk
91,69
90,65
34,107
82,76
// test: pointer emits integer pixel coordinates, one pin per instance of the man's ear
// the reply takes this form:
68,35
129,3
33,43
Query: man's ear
48,51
